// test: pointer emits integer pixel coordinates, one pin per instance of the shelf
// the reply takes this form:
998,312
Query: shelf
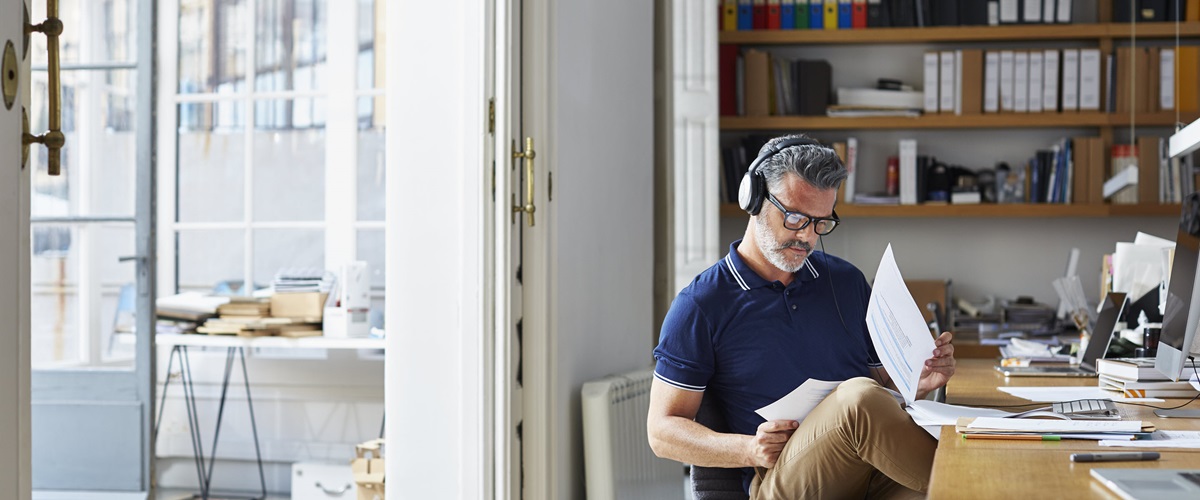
947,121
1018,210
1010,33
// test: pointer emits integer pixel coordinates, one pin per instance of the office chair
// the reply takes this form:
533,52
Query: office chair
715,483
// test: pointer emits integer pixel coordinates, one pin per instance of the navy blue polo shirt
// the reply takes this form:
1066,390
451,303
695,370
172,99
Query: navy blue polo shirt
747,341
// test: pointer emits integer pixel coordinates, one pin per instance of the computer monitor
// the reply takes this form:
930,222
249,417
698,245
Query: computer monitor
1182,313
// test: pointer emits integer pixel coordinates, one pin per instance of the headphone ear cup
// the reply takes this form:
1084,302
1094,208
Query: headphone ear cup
750,193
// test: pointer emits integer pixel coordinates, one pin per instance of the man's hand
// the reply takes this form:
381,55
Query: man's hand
938,369
768,442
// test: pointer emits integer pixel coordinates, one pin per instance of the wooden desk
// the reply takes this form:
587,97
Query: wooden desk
1023,469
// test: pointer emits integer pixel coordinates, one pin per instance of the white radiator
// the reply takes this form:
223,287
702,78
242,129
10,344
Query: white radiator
618,462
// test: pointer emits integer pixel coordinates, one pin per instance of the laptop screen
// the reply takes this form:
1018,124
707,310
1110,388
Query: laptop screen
1102,334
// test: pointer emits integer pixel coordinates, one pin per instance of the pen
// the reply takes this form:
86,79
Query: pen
1114,457
1020,437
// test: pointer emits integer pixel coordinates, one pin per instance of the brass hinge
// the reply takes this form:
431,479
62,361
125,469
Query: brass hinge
492,115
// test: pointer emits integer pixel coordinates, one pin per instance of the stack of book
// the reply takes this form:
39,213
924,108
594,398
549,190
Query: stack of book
1137,378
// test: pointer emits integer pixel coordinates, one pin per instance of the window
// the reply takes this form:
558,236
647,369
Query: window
276,136
83,220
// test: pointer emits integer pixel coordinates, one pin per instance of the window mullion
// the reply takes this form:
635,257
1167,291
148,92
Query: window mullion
341,135
248,125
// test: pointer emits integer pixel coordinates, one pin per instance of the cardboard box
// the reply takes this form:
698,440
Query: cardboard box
321,481
368,468
307,306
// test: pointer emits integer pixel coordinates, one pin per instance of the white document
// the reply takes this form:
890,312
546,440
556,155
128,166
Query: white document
1137,268
1039,425
898,330
800,402
1055,394
925,412
1161,439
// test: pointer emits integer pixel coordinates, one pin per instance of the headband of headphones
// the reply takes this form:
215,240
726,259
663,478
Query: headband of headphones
753,189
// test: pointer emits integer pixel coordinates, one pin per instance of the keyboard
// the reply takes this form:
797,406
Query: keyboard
1087,408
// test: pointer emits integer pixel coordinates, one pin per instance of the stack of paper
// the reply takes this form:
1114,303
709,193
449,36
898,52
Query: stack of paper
1082,429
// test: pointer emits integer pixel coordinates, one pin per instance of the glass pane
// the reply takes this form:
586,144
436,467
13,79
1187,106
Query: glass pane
371,170
289,160
289,43
212,46
94,32
211,171
370,43
275,249
98,122
118,291
210,259
371,249
54,275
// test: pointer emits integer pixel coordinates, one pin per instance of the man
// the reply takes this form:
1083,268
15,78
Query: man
770,315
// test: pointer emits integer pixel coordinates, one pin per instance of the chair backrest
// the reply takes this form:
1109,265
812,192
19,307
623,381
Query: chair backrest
715,483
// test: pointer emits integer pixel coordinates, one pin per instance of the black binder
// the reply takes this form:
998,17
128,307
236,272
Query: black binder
946,12
973,13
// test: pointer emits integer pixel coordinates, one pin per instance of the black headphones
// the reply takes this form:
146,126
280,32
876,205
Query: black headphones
753,189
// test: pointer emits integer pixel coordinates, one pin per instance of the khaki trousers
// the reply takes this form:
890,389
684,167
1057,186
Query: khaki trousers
858,443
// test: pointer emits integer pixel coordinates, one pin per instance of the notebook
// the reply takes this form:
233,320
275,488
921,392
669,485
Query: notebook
1103,334
1156,484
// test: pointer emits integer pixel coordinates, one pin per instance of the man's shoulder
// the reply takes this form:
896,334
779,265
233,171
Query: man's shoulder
712,286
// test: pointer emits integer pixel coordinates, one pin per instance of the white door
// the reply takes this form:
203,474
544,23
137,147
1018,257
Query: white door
14,258
92,265
522,209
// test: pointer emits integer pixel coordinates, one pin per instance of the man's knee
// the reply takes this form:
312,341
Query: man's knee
861,393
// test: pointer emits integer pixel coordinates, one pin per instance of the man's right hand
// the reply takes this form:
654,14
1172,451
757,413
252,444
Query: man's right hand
767,443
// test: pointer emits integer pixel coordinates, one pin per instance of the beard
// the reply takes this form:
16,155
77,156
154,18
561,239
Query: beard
774,250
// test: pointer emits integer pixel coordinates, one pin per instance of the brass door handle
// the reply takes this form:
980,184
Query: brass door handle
528,155
53,139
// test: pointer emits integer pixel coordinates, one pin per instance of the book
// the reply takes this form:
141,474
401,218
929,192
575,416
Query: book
1089,79
1007,59
1050,81
1135,369
908,171
947,69
931,82
851,162
991,82
877,98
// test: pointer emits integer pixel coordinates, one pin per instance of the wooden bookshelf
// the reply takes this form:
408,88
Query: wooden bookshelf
949,121
1015,210
1009,33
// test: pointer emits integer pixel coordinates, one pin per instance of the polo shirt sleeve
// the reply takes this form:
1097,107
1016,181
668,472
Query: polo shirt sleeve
684,356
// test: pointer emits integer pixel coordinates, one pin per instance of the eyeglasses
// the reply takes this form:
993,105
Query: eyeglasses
796,221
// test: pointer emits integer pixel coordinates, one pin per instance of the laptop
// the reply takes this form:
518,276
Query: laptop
1103,335
1156,484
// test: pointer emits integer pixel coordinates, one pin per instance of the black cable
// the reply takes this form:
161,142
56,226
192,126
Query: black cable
832,291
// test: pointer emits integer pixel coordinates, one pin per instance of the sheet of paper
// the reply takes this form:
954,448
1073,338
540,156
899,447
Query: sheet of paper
925,412
1137,269
1053,426
898,330
1054,394
1161,439
797,404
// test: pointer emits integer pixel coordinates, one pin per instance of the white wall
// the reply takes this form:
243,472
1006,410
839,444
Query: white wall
435,240
602,249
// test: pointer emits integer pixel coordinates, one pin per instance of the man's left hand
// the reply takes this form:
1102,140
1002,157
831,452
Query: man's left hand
938,369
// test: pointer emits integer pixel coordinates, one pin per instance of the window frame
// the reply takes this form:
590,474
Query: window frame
340,224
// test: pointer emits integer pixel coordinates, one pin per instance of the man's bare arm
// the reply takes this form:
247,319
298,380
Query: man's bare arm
674,434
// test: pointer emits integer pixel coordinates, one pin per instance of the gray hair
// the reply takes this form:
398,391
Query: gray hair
815,164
